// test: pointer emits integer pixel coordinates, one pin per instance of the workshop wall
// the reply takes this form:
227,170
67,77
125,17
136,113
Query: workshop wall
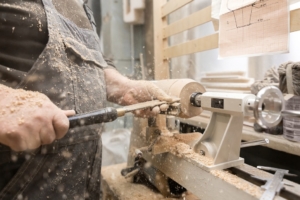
193,66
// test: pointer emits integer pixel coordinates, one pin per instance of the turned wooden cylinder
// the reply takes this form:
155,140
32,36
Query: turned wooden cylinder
182,88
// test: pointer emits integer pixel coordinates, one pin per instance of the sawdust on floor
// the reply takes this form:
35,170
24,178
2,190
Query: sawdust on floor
238,182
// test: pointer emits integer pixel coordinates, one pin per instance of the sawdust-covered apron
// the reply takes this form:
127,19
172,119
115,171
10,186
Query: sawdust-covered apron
70,72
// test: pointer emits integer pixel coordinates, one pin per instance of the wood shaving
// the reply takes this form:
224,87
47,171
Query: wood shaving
185,151
238,182
21,120
17,99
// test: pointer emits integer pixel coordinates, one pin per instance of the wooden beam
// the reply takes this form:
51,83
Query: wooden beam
194,46
208,42
149,44
172,5
216,24
295,20
204,16
161,66
193,20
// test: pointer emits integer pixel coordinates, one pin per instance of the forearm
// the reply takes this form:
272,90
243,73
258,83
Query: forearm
124,91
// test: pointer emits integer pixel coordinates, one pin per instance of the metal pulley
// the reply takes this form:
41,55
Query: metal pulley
268,107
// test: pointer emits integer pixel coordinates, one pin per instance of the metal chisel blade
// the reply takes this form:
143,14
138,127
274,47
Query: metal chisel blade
147,104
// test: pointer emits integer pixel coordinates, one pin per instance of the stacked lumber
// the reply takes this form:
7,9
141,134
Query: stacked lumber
227,81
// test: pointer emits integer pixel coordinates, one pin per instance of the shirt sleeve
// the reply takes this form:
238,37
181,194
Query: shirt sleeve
109,62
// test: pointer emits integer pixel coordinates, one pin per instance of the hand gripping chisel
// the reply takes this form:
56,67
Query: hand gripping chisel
109,114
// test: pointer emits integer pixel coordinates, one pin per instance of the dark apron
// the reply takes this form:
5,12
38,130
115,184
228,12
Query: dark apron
70,72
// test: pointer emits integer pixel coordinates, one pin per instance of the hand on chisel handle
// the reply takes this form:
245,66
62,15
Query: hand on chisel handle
124,91
109,114
95,117
29,119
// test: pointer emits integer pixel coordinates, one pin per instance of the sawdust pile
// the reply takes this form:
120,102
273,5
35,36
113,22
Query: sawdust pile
181,145
183,150
17,99
238,182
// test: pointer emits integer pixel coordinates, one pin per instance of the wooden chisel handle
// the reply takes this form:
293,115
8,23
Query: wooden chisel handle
103,115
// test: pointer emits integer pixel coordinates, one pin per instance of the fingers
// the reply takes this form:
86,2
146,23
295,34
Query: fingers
14,141
144,113
158,109
69,113
164,107
157,92
131,97
38,131
155,110
47,134
151,112
29,119
60,124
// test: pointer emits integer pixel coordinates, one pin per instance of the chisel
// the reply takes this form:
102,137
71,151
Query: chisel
110,114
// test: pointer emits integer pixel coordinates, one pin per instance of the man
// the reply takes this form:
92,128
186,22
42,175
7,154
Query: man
50,47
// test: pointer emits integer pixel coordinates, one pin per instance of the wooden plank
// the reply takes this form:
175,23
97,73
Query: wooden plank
234,86
211,41
204,16
161,66
227,79
216,24
193,20
228,90
173,5
194,46
295,20
225,73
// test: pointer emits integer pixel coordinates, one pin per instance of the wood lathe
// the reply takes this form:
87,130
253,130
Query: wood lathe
208,165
